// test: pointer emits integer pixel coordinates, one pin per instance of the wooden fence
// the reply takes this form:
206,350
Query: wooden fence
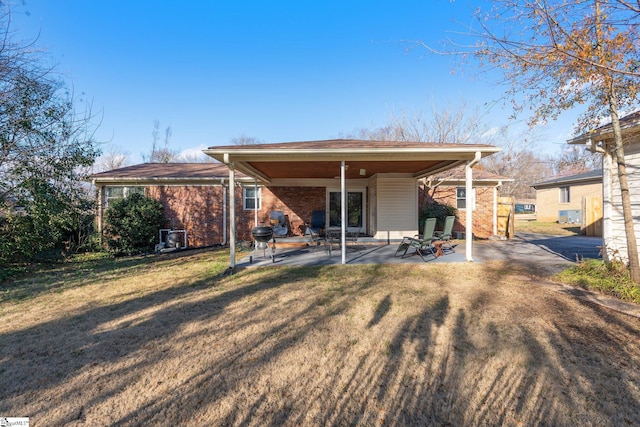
506,211
592,216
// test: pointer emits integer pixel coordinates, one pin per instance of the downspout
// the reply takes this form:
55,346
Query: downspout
469,199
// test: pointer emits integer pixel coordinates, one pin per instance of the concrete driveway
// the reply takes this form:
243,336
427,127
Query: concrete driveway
540,253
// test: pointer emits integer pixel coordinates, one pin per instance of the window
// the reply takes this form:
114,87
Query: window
111,194
251,199
461,198
565,195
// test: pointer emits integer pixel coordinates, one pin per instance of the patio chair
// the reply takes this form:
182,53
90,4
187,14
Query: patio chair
315,229
445,234
317,223
420,243
277,220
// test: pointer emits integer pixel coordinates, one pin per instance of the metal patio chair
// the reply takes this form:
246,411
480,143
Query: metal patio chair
422,244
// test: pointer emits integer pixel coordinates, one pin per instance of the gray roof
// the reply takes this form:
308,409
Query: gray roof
591,176
629,124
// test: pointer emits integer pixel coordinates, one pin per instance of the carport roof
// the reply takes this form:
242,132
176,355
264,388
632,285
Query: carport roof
321,159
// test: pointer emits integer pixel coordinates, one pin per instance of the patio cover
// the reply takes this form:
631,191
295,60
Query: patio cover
348,159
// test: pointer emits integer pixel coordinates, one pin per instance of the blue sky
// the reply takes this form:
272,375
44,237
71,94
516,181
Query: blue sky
275,70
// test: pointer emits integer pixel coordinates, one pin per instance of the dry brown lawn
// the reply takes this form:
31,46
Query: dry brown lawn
549,228
169,341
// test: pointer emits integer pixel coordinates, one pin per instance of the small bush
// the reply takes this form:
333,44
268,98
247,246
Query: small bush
132,224
610,278
436,210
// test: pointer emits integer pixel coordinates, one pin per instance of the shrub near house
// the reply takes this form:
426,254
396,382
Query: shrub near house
132,224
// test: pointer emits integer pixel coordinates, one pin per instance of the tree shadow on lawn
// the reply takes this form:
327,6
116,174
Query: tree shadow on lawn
57,276
329,345
540,255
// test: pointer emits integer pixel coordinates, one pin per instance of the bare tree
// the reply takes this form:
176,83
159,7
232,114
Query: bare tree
193,157
453,123
575,159
555,55
160,154
519,160
115,157
245,140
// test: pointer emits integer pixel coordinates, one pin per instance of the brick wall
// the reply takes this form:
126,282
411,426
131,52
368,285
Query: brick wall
297,203
199,209
196,209
482,215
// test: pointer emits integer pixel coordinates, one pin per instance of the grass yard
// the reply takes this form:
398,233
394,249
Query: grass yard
166,340
551,228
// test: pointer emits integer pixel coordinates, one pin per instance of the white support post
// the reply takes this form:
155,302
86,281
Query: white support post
343,212
232,216
469,204
224,214
469,211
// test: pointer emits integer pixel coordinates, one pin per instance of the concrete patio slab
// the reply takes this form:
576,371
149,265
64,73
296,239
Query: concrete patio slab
356,254
540,253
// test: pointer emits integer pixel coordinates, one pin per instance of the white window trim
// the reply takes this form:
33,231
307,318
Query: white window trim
125,192
473,199
258,199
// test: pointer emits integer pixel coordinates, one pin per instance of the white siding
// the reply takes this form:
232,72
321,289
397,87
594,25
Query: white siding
373,207
397,207
613,231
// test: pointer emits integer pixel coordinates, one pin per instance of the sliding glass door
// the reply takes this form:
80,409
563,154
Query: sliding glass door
355,208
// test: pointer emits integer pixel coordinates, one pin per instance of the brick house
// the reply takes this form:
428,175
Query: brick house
449,188
380,179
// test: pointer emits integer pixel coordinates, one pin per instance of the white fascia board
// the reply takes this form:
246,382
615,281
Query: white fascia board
303,154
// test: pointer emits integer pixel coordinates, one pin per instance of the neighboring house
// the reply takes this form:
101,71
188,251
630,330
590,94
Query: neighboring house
565,199
449,188
380,179
601,140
